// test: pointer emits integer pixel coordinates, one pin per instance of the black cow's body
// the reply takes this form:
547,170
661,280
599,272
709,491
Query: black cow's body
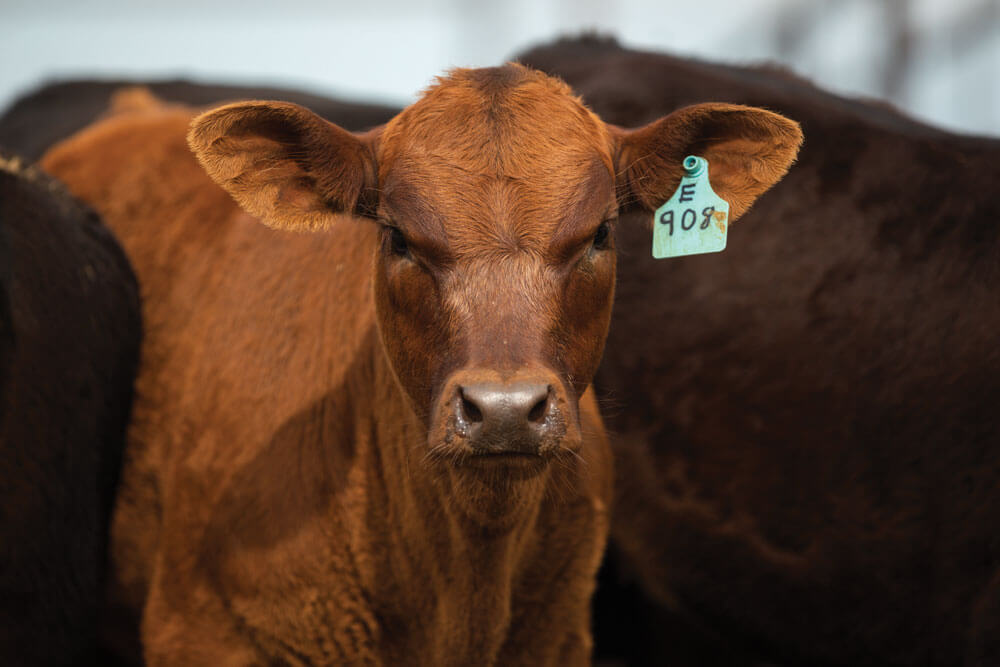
69,340
805,426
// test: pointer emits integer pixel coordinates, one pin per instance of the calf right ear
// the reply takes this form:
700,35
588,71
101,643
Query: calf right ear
286,165
748,150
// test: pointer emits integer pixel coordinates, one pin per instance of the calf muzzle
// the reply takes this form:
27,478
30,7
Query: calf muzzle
490,415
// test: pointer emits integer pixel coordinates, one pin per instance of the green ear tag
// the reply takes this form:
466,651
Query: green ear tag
694,220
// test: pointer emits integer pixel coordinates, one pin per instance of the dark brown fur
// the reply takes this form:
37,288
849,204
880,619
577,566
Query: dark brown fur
297,489
69,345
805,425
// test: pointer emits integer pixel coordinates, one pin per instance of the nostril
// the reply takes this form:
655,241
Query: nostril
518,416
540,409
470,411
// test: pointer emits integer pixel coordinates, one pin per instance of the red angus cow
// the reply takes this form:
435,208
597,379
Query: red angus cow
807,443
376,443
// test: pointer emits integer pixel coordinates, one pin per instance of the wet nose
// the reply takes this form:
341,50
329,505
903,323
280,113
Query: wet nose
507,418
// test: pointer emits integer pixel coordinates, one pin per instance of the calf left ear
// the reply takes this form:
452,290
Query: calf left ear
286,165
748,150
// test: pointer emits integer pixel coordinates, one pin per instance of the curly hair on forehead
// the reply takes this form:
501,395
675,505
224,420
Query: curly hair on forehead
507,121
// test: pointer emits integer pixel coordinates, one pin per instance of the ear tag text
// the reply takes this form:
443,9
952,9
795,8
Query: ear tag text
694,220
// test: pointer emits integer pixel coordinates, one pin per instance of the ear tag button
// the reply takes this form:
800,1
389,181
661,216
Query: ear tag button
694,220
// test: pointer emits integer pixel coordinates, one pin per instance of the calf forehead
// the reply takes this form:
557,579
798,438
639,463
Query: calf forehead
509,121
505,151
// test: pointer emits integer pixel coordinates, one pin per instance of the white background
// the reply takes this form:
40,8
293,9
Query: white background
939,59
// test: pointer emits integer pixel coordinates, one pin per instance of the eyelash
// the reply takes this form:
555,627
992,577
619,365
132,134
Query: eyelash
397,243
602,236
395,240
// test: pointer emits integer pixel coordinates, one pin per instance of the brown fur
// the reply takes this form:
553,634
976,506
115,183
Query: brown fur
133,99
296,488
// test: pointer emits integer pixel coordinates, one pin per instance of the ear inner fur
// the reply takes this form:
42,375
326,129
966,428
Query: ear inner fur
748,150
285,165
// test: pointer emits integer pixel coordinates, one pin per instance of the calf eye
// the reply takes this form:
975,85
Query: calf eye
397,243
602,235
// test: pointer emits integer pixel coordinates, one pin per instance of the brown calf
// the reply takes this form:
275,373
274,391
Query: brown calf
376,443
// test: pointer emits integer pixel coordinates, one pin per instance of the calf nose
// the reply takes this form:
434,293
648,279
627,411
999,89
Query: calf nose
506,418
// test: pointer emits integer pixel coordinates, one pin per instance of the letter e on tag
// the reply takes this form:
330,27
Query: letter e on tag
694,220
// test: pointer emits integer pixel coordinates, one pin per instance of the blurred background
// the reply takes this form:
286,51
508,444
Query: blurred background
937,59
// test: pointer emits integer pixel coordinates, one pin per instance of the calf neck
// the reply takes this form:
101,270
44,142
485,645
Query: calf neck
376,442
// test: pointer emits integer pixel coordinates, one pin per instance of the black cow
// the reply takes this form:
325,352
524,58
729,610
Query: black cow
69,341
805,426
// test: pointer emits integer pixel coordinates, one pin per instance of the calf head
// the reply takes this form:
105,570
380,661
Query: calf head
497,195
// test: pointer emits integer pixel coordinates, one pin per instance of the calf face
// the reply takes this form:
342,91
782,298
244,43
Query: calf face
497,194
